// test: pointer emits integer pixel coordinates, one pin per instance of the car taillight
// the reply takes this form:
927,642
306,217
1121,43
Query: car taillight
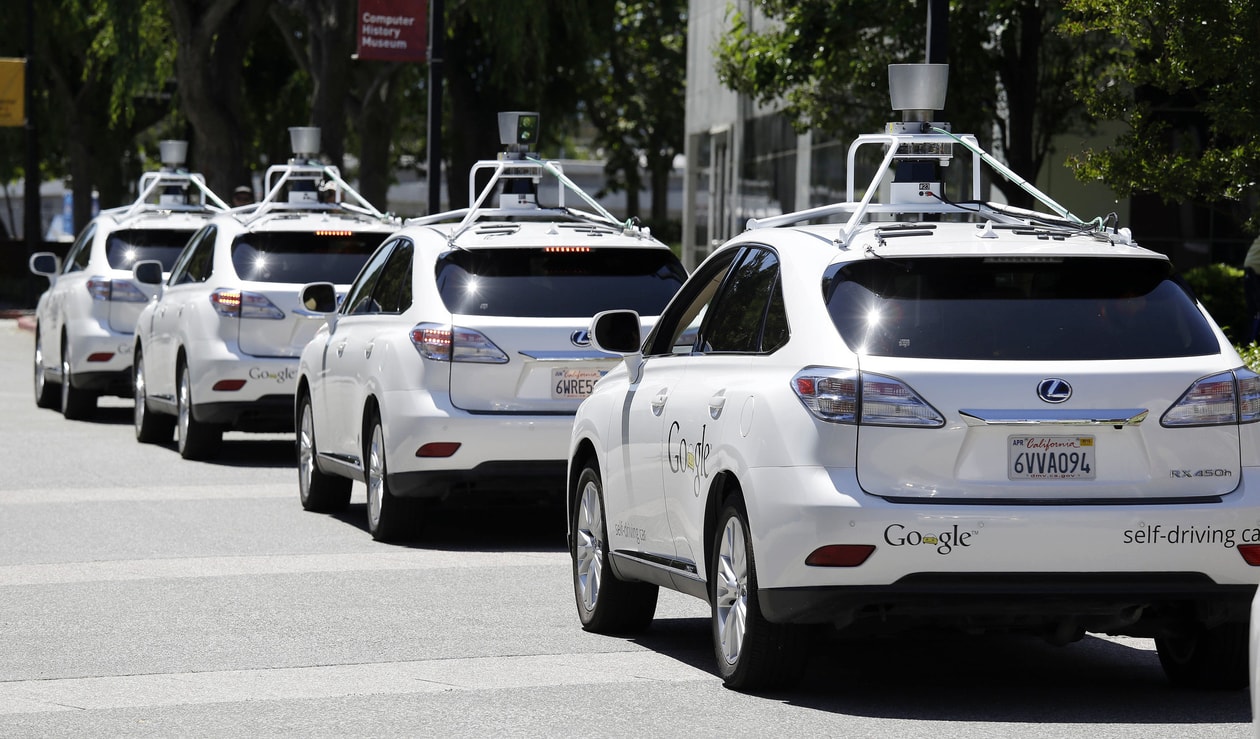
1225,398
455,344
849,396
122,291
99,287
238,304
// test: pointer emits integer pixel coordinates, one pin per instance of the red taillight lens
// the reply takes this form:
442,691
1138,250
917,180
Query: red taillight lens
433,342
226,302
438,449
100,356
840,555
229,385
1250,554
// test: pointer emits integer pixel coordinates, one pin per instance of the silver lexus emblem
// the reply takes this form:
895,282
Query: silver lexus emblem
581,337
1054,390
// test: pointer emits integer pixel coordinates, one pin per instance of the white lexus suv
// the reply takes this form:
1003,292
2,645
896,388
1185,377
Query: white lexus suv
457,359
85,320
929,412
218,348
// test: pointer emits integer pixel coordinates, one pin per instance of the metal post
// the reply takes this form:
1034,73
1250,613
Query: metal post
938,32
437,38
31,229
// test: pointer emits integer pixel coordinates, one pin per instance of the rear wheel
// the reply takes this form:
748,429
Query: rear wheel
752,653
1206,659
197,440
318,491
151,428
45,393
76,403
605,604
389,517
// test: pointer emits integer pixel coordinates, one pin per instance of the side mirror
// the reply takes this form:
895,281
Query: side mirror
319,297
147,272
617,332
45,263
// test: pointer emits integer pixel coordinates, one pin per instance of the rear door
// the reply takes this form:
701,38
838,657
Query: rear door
123,249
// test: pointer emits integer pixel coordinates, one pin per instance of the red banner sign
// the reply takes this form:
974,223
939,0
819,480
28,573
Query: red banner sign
393,30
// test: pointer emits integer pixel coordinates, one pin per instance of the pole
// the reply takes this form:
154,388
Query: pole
938,32
437,43
31,228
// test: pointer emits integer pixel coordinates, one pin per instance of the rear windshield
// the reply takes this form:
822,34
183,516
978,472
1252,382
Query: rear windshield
302,257
1016,309
539,283
124,248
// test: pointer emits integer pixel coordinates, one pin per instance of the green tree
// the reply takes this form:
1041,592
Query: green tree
634,94
1181,75
826,62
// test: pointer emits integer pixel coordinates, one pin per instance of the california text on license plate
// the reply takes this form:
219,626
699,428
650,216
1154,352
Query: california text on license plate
1050,458
568,384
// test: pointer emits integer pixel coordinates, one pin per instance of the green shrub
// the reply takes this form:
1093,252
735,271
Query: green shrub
1250,355
1220,288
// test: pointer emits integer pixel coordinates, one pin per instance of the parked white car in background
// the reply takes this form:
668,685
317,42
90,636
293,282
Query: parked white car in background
218,349
455,364
85,320
940,413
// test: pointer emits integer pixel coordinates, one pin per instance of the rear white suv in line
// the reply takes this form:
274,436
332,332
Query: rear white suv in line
455,363
218,348
936,413
85,320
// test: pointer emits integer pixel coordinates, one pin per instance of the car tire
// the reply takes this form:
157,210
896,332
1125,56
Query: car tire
389,518
752,653
605,604
46,395
1207,658
151,428
76,403
318,491
197,440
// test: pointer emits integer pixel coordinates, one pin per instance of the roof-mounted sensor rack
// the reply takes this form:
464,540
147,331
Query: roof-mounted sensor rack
171,188
516,177
914,150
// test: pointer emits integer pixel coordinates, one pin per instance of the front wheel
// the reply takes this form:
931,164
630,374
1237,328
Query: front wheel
151,428
389,517
319,491
752,653
1206,659
45,393
197,440
605,604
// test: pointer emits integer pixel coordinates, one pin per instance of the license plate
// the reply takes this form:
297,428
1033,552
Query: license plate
1050,458
573,384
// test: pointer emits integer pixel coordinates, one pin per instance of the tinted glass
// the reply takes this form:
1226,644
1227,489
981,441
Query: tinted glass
1016,309
359,299
393,290
541,283
302,257
737,320
80,251
124,248
194,265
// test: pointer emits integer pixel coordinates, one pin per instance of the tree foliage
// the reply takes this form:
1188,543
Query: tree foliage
826,62
1182,76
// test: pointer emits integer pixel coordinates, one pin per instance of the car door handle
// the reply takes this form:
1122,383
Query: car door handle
658,403
716,404
341,348
367,351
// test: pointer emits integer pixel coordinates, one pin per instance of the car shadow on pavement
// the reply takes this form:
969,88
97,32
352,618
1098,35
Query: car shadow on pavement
487,528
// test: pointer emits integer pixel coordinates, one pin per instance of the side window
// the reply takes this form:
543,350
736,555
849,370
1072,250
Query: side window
359,300
679,326
198,257
393,290
742,313
80,251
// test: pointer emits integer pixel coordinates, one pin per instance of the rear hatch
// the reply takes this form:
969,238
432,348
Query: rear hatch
273,267
530,308
1048,380
123,249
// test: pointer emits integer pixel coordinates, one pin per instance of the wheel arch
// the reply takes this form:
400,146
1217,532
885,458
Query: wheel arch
725,486
582,455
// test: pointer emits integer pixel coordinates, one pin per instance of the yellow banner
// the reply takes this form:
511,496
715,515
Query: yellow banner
12,92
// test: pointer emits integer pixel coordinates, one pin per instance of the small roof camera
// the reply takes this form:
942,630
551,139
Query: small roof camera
518,129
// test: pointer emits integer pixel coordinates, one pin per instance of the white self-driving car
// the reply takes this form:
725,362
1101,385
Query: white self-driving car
85,320
218,348
460,353
926,413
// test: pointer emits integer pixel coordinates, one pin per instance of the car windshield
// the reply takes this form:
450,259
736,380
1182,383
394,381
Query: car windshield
124,248
302,257
1040,308
543,283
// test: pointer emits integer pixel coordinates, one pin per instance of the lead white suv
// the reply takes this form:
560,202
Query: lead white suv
455,363
932,412
85,320
218,349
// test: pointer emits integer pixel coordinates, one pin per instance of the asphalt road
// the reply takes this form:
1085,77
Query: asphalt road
143,595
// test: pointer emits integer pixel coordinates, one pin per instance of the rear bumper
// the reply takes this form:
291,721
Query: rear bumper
268,414
527,480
